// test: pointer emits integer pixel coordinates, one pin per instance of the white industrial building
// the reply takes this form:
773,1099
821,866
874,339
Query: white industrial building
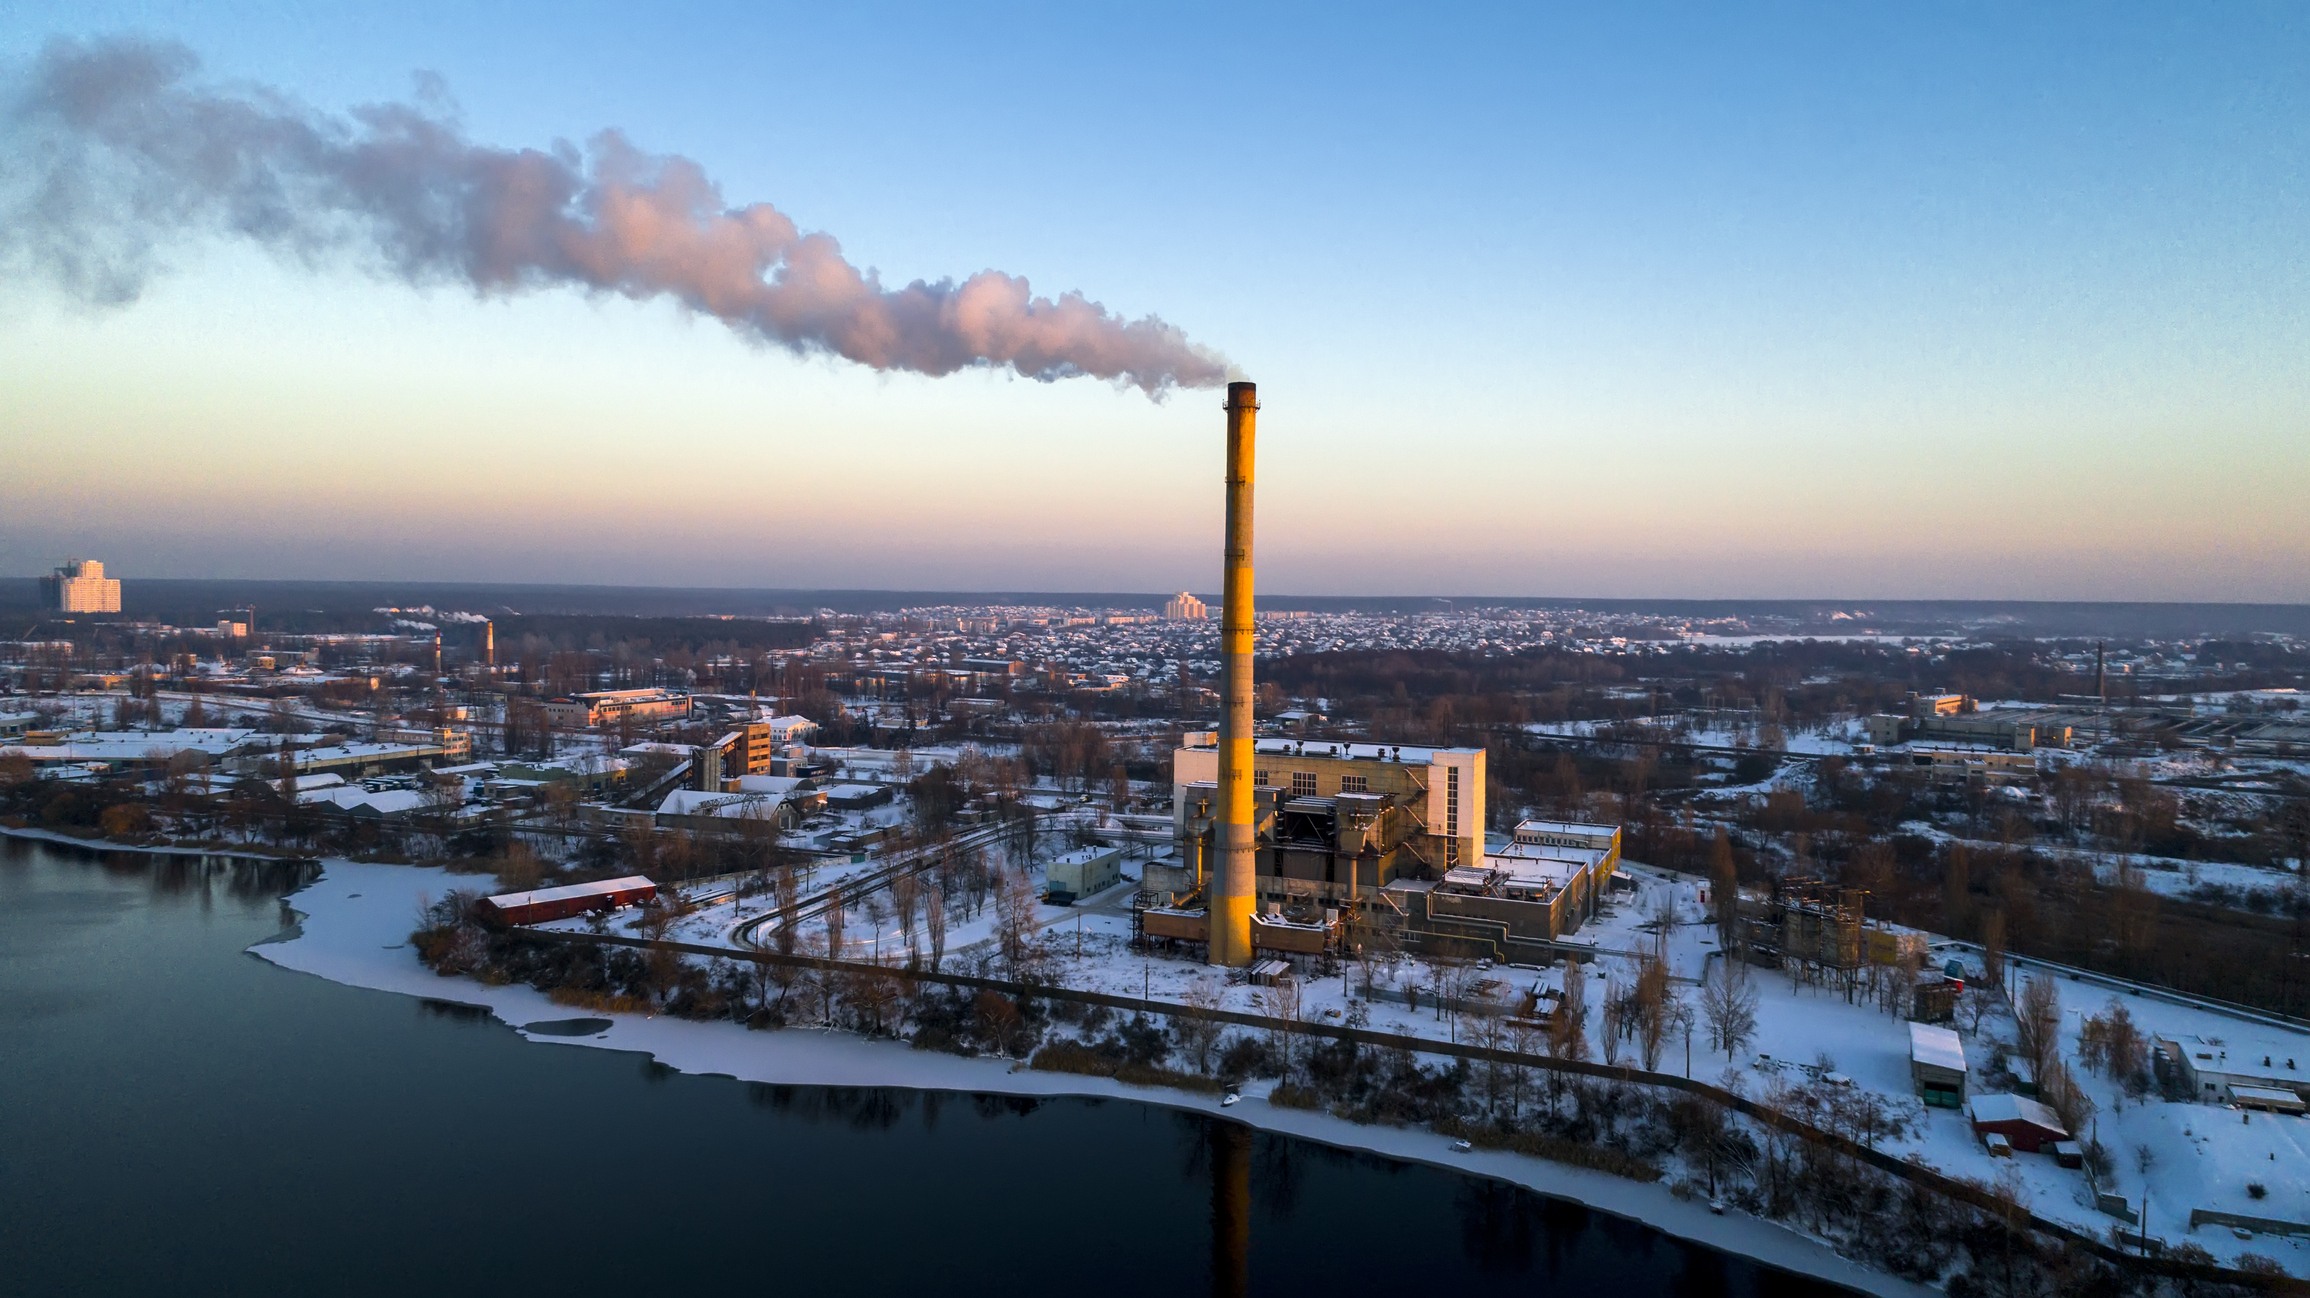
1082,873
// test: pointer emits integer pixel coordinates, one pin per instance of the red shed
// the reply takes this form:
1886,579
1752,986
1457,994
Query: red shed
542,904
2028,1125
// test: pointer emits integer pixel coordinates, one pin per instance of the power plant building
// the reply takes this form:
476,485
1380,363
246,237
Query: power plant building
80,586
1334,821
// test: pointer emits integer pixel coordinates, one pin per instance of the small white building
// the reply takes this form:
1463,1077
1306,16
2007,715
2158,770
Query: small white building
1082,873
790,729
1937,1064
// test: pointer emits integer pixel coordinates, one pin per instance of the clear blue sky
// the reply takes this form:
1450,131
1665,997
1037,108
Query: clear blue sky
1836,300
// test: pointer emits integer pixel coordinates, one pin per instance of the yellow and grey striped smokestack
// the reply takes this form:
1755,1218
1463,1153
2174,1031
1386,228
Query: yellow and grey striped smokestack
1230,897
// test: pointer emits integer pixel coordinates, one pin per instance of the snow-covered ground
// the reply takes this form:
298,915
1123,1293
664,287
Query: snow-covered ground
1837,741
2167,876
2202,1155
357,917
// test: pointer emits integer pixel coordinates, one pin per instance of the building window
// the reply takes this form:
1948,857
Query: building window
1355,784
1452,801
1303,784
1259,779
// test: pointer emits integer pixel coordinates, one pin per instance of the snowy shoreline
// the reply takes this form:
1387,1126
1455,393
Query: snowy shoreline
355,920
53,839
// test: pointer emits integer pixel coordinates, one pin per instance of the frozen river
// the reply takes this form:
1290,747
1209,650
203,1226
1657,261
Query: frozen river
178,1116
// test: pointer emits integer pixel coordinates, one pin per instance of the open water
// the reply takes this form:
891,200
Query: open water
177,1116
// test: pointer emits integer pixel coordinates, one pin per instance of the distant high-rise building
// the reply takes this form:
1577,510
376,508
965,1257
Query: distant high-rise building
80,586
1184,607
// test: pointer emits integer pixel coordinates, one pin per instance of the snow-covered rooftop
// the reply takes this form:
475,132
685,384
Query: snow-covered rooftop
571,891
2013,1108
1938,1046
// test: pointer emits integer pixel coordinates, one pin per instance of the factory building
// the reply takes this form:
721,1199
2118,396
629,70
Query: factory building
1956,718
779,801
1968,765
1335,820
80,586
1537,888
609,707
1334,825
751,748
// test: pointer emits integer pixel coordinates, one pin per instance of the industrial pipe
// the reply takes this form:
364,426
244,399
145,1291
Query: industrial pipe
1230,896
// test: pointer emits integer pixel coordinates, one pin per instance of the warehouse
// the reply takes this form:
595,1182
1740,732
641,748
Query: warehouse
541,904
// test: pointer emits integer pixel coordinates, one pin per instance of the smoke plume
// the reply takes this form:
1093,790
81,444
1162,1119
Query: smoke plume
112,149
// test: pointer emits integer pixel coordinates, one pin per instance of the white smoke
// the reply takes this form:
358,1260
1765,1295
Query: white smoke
111,150
439,614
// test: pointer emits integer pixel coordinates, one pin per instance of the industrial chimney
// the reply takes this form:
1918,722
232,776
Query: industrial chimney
1230,894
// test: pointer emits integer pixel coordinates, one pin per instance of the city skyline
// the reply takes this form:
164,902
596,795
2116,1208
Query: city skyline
1814,305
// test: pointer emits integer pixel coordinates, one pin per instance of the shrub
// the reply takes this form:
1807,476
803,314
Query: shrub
1556,1149
1071,1057
1289,1096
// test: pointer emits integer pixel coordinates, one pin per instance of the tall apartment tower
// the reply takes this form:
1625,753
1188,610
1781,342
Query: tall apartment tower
80,586
1184,607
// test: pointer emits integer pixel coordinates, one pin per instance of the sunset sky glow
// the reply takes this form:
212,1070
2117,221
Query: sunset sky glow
1788,301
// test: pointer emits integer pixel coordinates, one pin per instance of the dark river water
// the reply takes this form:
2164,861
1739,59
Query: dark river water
177,1116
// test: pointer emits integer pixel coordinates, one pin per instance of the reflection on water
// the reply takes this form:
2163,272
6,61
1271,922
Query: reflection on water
282,1134
1230,1147
208,878
568,1027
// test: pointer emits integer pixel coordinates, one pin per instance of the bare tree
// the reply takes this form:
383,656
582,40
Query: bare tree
934,918
1724,889
1728,1001
2037,1023
1199,1036
1993,948
1975,1004
1568,1027
1655,1010
785,931
2111,1043
906,899
1280,1001
1017,920
2058,1088
1619,1016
